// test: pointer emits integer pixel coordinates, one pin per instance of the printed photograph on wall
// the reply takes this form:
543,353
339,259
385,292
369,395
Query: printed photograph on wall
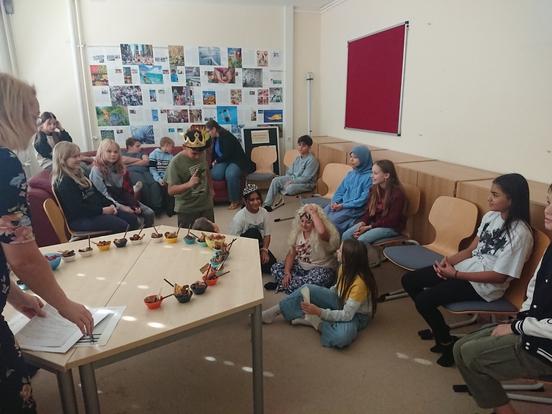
107,134
176,55
227,115
143,133
177,116
99,75
253,78
126,95
262,57
152,95
183,95
234,57
209,56
209,98
127,75
195,115
192,76
112,115
262,97
273,115
151,74
155,115
134,54
275,95
235,96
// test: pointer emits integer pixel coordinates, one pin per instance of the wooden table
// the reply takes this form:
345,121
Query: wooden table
478,191
435,178
397,157
324,139
124,277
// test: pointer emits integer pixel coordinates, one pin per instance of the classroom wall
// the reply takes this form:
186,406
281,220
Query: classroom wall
306,58
37,24
477,85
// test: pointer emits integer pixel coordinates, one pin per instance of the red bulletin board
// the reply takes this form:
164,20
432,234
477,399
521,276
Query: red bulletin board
375,73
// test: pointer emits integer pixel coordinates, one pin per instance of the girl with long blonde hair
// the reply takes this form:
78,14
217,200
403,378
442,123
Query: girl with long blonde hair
311,259
111,178
85,208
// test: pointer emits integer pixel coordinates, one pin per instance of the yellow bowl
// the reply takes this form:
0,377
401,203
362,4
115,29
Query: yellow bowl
104,248
171,240
211,242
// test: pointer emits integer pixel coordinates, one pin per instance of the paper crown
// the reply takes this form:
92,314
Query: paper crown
194,139
249,188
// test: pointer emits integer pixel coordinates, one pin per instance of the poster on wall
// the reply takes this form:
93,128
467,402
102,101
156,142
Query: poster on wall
148,91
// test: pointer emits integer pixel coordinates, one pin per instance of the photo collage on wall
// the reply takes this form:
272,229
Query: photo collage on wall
150,92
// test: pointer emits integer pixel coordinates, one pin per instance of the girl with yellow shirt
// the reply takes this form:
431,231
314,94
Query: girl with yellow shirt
339,312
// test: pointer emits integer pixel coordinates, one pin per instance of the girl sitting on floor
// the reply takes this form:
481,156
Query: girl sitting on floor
85,208
484,270
384,216
252,222
349,200
111,179
311,257
341,311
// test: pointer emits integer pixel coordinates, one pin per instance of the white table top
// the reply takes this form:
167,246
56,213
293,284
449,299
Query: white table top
125,276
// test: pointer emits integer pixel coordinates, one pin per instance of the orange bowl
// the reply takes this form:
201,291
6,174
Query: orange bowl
152,301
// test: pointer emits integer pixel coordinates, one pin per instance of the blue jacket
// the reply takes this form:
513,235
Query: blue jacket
355,187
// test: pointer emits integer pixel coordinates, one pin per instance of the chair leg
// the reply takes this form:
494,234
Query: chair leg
465,322
396,294
529,398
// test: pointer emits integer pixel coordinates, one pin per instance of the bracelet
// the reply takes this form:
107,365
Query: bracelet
456,274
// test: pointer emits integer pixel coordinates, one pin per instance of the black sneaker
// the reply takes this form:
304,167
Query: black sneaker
270,285
268,208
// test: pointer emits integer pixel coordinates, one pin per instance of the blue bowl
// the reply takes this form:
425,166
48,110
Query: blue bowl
54,259
189,240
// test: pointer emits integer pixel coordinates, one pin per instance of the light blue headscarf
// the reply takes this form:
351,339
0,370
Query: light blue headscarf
365,157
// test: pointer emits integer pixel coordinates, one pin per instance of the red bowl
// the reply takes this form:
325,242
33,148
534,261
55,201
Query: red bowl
152,301
211,282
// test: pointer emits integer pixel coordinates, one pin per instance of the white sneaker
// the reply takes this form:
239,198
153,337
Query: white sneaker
138,186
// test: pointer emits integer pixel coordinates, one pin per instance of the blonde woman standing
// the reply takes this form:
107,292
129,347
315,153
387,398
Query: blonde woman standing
85,208
18,113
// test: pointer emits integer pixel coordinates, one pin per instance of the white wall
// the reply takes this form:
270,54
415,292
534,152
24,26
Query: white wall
42,36
478,82
306,59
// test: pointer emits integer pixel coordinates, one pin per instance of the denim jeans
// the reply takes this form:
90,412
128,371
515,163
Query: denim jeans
232,174
370,236
278,185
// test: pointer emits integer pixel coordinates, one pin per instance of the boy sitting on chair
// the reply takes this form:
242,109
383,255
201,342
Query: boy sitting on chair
300,177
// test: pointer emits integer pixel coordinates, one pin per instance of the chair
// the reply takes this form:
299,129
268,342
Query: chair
264,158
448,235
59,224
332,176
514,296
412,194
289,157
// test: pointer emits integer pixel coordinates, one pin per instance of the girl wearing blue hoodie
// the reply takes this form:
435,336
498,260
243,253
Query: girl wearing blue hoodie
350,198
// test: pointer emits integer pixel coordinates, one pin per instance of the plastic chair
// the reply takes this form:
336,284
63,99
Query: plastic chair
412,194
59,224
264,158
453,219
332,176
289,157
510,303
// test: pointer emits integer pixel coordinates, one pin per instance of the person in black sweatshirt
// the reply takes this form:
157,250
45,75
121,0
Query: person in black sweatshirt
49,133
85,208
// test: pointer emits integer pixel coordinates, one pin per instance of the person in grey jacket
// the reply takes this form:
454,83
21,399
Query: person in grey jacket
300,177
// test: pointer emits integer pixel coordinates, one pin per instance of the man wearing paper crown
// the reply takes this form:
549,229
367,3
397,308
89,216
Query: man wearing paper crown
189,180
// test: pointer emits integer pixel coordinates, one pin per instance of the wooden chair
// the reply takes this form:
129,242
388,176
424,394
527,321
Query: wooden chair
412,194
264,158
332,176
453,219
59,224
289,157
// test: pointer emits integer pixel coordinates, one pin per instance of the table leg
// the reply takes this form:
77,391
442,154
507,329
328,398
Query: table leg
89,389
67,392
257,356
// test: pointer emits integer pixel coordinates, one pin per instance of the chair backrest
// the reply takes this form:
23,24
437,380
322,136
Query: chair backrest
290,156
453,219
518,287
412,194
57,219
264,157
332,176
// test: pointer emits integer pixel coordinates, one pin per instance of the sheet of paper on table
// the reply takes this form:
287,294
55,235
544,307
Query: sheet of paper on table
51,333
104,329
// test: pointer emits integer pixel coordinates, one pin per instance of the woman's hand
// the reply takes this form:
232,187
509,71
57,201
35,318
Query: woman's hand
264,256
444,269
310,309
287,278
109,210
336,207
136,210
502,329
126,209
79,315
28,305
362,228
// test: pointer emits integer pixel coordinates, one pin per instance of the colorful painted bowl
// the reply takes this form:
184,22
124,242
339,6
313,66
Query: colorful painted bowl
103,246
153,301
199,287
54,259
189,239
